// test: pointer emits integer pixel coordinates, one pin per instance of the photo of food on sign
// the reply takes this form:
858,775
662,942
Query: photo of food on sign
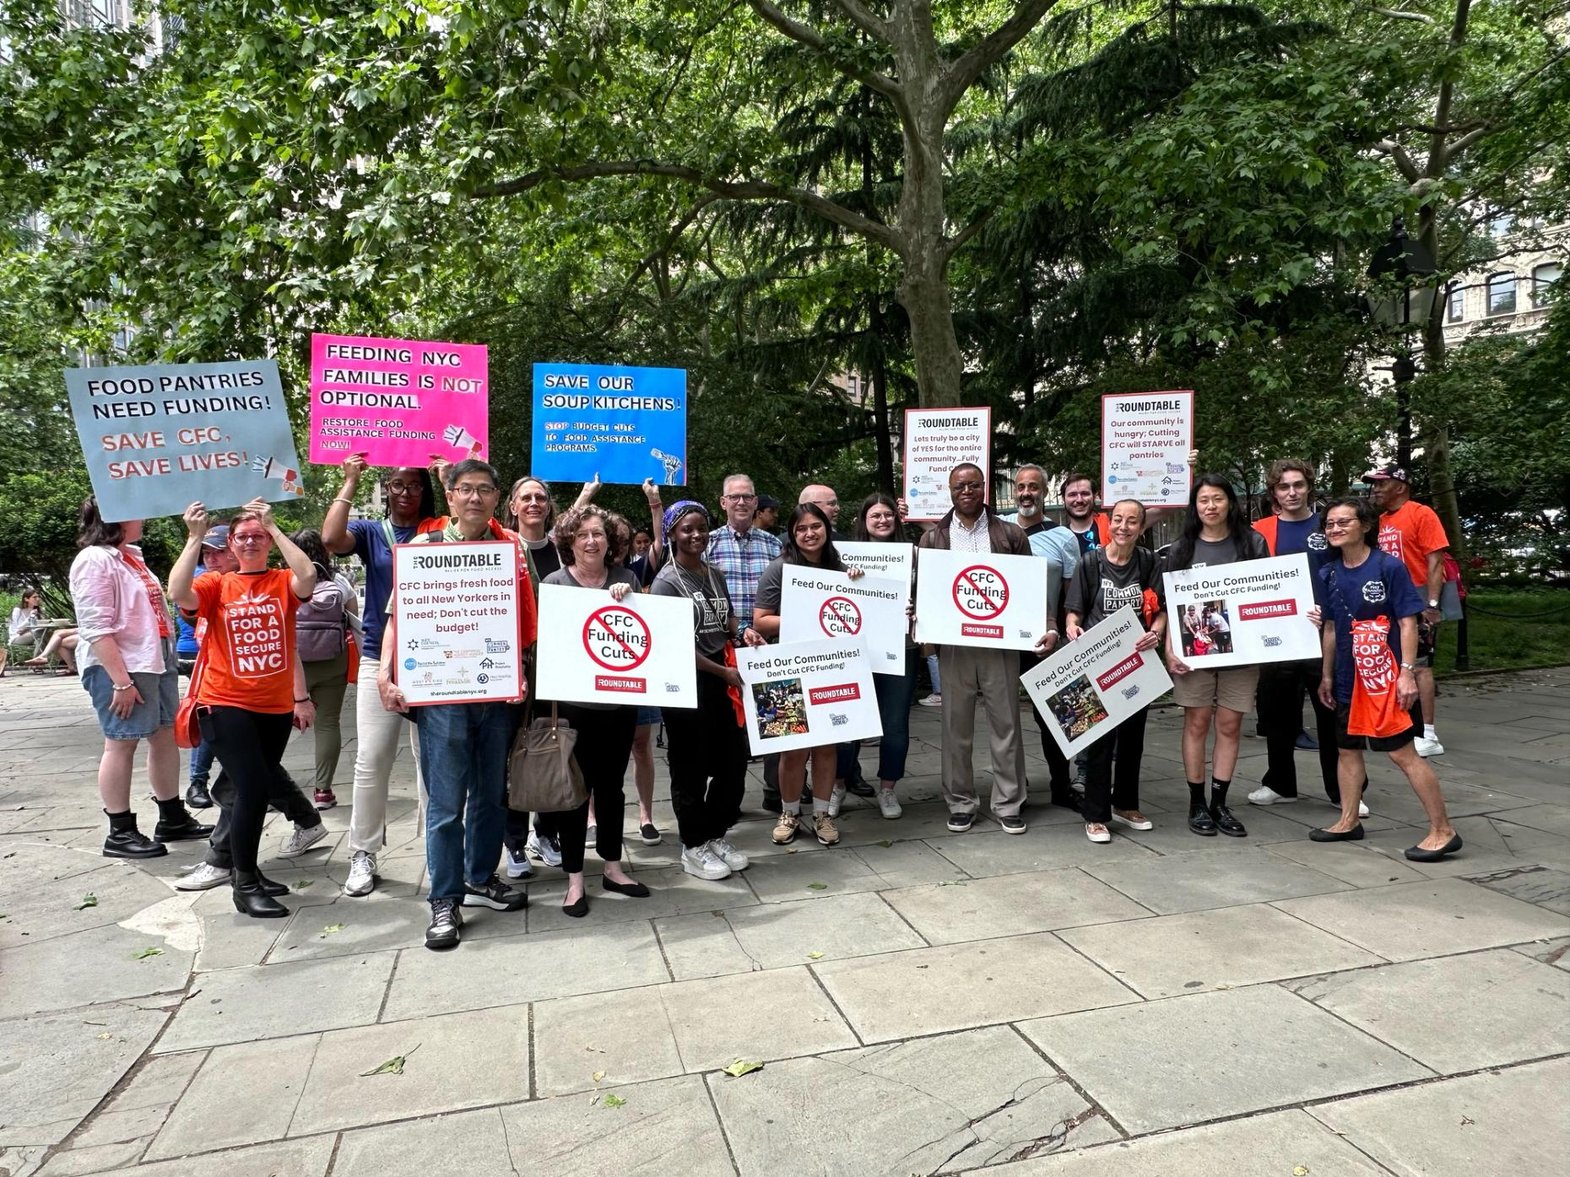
782,708
1077,708
1207,629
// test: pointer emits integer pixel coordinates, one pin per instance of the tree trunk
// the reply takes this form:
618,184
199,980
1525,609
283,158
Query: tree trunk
880,399
1436,433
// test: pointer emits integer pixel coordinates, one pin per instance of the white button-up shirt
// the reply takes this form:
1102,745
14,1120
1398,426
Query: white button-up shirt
970,539
112,602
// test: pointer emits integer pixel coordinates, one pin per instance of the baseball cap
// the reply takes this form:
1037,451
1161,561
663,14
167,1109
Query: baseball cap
1387,474
767,501
217,536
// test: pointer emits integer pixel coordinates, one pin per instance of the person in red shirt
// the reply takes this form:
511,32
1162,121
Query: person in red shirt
1413,534
246,697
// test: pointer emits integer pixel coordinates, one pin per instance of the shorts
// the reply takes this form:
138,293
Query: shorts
160,700
1367,743
1427,639
649,715
1232,688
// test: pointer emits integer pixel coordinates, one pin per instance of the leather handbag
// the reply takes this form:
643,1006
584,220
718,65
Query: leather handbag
542,774
187,728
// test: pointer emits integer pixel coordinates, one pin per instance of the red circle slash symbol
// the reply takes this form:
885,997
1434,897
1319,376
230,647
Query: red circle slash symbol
840,616
616,638
980,592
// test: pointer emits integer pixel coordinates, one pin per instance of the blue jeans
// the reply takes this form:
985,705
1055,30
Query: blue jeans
896,693
201,762
463,756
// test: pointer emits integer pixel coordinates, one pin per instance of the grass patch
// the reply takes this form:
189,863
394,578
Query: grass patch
1510,629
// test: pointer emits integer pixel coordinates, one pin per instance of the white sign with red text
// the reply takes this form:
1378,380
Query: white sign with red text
1088,687
871,609
980,599
807,694
1241,614
593,649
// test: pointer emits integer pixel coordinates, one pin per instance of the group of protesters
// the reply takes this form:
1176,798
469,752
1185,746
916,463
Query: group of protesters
273,649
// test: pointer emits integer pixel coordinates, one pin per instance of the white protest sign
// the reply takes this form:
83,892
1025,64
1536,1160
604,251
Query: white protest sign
1088,687
817,605
981,599
807,694
1145,442
595,650
1243,613
455,609
896,560
937,440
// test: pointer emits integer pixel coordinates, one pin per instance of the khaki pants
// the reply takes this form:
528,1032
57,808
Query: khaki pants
994,674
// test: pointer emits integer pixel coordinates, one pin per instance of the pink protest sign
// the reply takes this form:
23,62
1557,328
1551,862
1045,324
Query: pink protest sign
397,401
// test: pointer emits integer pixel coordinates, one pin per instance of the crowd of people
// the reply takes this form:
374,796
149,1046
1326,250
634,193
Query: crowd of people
272,649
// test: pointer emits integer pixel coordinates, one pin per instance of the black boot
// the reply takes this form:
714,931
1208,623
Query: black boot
1220,814
175,823
1199,819
126,841
251,899
270,887
196,794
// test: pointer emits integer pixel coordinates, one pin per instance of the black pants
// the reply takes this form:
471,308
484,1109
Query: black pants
1058,774
287,799
707,753
1280,701
250,746
602,749
1107,788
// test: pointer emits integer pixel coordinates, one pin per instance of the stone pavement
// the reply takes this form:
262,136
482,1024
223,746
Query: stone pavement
924,1002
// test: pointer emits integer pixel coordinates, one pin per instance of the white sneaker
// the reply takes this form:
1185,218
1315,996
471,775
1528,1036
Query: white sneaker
728,854
888,803
703,863
303,838
1097,832
1427,747
204,876
362,873
1265,795
836,799
547,850
1362,809
933,700
518,864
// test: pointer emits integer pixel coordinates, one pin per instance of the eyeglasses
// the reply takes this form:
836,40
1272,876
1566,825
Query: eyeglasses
404,488
740,498
964,486
1341,525
472,492
250,541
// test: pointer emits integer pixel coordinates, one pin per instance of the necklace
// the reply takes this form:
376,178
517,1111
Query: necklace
695,585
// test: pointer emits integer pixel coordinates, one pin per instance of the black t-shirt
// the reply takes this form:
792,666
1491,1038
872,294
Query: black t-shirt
1100,587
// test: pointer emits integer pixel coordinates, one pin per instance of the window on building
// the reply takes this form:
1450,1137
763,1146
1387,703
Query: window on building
1455,306
1501,294
1543,277
1500,224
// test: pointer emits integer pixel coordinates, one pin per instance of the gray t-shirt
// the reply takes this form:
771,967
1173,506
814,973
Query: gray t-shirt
710,604
617,576
1211,552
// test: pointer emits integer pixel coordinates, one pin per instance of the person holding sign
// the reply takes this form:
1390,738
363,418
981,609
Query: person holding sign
1370,646
1118,574
584,538
878,522
707,747
969,671
129,671
807,544
1215,532
246,695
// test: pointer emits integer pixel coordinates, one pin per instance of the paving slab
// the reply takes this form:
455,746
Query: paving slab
1219,878
1413,920
1432,1009
1542,885
703,945
1351,862
99,1158
982,853
1208,1056
929,1105
658,1128
296,1158
1011,905
273,1075
777,935
1220,949
961,986
242,1005
672,892
427,1146
50,975
45,887
621,1037
1554,952
1500,1122
1277,1143
776,1014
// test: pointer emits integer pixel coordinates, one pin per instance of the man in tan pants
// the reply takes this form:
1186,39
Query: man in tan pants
972,526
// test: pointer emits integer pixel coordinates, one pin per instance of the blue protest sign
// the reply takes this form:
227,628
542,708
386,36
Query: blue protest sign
161,436
624,424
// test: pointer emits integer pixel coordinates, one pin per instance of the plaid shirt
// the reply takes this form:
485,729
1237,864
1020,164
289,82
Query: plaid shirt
742,558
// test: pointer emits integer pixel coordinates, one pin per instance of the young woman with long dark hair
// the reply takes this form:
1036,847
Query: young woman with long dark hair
877,521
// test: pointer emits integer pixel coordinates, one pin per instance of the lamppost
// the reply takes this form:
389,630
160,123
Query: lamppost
1407,262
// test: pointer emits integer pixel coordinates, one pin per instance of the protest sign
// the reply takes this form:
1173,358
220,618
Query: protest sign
397,401
937,440
1146,438
159,437
807,694
1243,613
595,650
897,561
618,424
871,609
980,599
456,613
1088,687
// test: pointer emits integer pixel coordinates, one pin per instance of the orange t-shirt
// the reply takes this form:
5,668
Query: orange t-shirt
1410,533
249,644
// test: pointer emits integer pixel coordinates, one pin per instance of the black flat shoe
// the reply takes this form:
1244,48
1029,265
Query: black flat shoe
1418,854
635,890
578,908
1355,834
197,796
1200,821
251,900
1226,823
1069,800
